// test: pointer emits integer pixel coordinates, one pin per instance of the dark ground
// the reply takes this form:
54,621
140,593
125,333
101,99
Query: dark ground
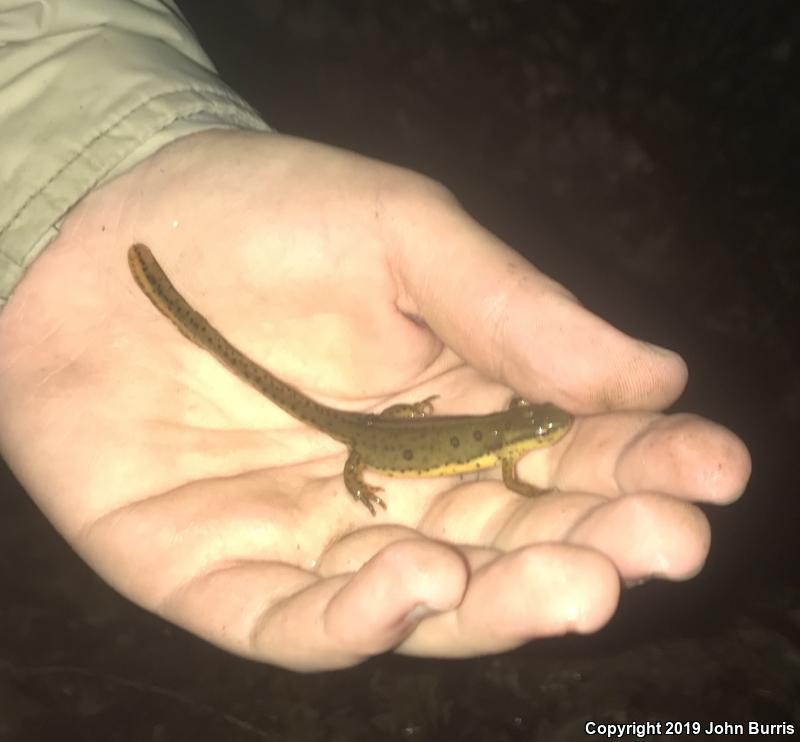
645,155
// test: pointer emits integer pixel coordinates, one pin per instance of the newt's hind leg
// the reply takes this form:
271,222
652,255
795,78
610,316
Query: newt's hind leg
357,487
413,410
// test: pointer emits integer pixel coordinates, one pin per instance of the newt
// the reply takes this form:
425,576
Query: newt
404,440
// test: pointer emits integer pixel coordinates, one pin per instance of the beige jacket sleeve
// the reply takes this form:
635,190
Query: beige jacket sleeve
89,88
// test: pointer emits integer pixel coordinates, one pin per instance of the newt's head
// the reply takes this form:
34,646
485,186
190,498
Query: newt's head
537,424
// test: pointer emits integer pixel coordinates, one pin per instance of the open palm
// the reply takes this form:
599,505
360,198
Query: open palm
361,285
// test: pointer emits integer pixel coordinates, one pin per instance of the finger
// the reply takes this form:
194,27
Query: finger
538,591
681,455
293,618
686,456
644,535
534,334
647,535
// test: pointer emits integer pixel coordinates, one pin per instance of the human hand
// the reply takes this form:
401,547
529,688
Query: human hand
362,285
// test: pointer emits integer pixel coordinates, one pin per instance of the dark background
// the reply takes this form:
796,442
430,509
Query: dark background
645,155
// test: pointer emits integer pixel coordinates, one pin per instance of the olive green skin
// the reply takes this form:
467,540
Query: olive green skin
404,440
453,444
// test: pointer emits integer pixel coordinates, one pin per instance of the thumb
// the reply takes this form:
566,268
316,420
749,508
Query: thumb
520,327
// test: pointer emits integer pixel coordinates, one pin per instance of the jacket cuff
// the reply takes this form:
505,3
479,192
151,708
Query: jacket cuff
87,90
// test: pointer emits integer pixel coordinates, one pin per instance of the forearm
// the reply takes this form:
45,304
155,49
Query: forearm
86,91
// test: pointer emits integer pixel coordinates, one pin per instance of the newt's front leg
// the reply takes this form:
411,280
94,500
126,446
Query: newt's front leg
357,487
514,483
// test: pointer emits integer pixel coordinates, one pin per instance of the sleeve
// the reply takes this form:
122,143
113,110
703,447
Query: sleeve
89,88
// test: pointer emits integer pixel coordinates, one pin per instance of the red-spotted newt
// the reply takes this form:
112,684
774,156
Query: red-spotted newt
405,440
